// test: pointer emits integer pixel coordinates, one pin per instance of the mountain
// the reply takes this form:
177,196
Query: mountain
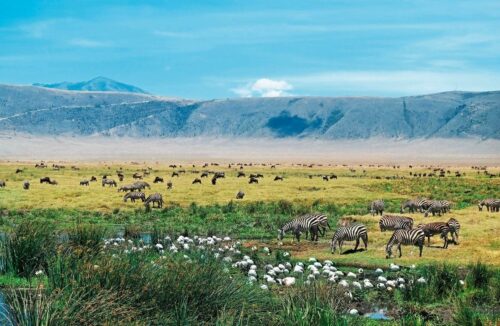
98,84
40,111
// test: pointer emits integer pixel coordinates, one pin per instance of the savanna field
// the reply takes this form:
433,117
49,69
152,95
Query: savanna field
54,236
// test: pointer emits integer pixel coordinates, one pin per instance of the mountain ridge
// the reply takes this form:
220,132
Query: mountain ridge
38,111
100,83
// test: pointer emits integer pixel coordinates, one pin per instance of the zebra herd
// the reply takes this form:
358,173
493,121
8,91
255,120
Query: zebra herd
492,205
426,206
402,227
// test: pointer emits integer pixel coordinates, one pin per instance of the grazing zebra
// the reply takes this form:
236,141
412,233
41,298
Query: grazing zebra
305,223
423,204
454,226
253,180
197,180
158,180
154,198
495,206
436,207
489,203
240,195
2,183
349,233
432,229
84,183
141,185
405,237
134,195
395,222
278,178
26,185
411,204
377,207
109,182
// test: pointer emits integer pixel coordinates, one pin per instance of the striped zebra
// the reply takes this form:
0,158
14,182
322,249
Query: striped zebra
395,222
423,204
377,207
154,198
454,226
134,195
405,237
432,229
305,223
490,203
349,233
437,207
411,204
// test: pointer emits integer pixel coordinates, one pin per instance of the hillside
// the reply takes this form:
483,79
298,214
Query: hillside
42,111
99,84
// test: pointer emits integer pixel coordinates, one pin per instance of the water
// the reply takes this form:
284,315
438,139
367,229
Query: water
379,314
4,312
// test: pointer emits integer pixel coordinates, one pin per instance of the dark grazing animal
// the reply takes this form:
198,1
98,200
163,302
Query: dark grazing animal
45,180
240,195
137,176
196,180
93,179
352,232
214,181
19,171
134,195
175,174
26,185
120,177
436,207
241,174
169,185
141,185
53,182
253,180
2,183
377,207
154,198
434,228
84,183
278,178
325,178
395,222
158,180
204,175
333,176
109,182
414,237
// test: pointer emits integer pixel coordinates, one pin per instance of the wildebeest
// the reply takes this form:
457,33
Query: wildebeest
93,179
84,183
158,180
253,180
175,174
325,177
2,183
196,180
120,176
169,185
154,198
204,175
45,180
137,176
26,185
134,195
19,171
241,174
278,177
214,180
333,176
53,182
240,195
109,182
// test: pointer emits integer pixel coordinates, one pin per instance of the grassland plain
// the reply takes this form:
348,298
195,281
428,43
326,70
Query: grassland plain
212,209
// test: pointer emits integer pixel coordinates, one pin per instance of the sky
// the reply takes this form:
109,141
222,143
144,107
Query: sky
219,49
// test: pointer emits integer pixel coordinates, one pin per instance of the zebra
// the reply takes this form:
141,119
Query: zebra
432,229
134,195
489,203
141,185
395,222
411,204
405,237
377,207
305,223
26,185
240,195
154,198
436,207
84,183
349,233
109,182
423,204
495,206
454,226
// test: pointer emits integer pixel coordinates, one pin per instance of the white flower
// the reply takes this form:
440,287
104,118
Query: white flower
353,312
289,281
421,280
159,246
264,287
379,271
39,273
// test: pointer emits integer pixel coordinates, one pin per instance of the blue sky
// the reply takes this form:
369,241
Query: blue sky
218,49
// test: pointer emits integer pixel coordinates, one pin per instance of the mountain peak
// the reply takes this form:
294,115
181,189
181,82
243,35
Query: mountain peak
99,83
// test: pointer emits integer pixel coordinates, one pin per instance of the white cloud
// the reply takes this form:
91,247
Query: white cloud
87,43
264,87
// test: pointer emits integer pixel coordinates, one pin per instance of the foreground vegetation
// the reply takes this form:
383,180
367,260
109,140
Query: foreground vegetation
82,280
